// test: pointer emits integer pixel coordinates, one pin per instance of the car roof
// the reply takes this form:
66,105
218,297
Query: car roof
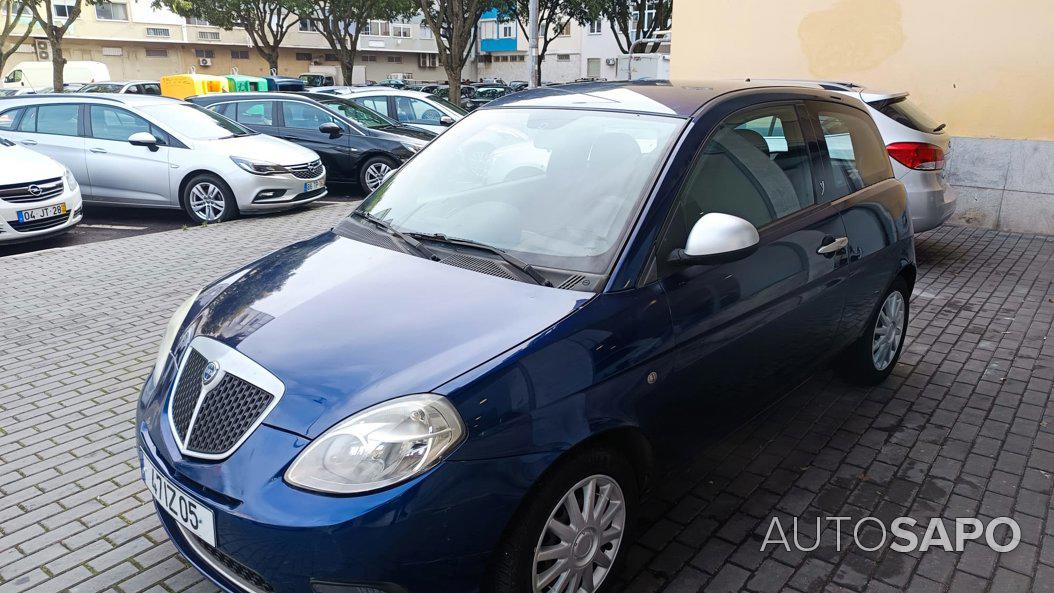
131,100
660,97
272,95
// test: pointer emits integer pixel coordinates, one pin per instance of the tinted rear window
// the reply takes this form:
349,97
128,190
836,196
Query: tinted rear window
906,113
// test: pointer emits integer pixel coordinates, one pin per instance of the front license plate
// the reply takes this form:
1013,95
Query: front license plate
313,185
187,511
38,213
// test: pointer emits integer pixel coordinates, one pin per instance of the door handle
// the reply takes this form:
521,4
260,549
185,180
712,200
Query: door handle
98,150
834,246
29,142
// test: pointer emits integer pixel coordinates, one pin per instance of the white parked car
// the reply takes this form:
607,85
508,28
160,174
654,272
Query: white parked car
134,87
38,196
137,150
412,108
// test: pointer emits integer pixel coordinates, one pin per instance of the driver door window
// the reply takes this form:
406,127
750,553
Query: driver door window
301,116
109,123
756,166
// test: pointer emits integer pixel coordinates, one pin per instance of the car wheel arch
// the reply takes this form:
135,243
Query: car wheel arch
185,181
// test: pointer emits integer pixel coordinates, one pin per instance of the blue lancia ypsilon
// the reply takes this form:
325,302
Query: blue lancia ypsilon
467,384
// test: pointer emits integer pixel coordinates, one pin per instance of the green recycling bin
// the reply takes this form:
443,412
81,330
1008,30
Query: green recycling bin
243,84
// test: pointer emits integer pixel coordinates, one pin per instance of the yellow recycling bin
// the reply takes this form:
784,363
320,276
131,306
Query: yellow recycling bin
181,86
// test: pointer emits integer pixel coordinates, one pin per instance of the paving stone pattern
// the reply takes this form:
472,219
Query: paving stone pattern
962,428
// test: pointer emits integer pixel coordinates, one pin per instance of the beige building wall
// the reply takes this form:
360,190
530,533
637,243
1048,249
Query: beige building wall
985,67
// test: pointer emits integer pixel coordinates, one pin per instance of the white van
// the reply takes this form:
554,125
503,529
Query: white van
38,75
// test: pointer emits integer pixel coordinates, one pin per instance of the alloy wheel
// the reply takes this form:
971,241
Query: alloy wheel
207,201
375,174
581,538
889,331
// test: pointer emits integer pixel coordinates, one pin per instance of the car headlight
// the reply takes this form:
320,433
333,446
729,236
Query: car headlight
170,336
381,446
71,181
258,167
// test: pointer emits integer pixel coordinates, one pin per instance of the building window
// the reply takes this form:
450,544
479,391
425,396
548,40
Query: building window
368,58
401,30
112,51
157,53
239,54
303,56
507,31
61,10
111,11
594,27
377,28
332,58
204,53
209,35
563,57
193,20
427,60
424,31
158,32
309,26
395,59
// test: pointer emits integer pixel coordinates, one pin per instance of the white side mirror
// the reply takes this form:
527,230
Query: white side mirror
718,238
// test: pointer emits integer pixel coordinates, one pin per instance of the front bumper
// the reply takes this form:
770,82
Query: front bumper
266,193
433,534
11,231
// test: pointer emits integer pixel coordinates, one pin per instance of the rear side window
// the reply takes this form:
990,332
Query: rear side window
856,153
8,119
378,104
906,113
62,120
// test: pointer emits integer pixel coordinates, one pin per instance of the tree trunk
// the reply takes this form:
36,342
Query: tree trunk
454,80
538,71
347,69
272,61
58,64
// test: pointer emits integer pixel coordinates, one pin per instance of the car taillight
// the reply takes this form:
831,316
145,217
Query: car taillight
917,155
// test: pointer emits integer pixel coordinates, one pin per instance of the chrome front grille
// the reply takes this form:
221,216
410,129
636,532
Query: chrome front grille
26,193
307,170
220,397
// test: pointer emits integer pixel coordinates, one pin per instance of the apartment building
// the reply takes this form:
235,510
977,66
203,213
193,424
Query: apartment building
137,41
577,52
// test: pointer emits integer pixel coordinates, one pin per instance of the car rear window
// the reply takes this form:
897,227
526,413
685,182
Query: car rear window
906,113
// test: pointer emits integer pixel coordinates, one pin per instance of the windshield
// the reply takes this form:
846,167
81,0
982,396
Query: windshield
195,122
442,101
102,88
359,114
488,93
556,188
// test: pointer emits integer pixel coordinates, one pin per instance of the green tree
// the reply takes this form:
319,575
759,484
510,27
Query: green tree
622,17
14,12
553,17
266,22
453,23
341,22
55,29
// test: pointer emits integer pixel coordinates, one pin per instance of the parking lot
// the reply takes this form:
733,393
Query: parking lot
960,429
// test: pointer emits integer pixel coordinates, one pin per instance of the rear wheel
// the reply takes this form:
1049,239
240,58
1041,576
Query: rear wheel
872,357
372,172
207,199
570,536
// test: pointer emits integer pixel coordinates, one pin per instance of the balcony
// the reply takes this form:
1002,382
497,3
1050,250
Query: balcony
497,45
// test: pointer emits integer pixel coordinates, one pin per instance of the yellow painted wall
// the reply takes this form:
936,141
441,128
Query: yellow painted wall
985,67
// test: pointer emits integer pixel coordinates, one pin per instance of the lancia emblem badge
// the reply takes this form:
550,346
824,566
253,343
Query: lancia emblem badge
211,370
35,190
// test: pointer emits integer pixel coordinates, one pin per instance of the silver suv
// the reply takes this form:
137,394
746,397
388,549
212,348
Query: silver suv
135,150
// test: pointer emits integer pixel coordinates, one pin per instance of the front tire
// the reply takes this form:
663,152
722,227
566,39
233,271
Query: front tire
372,172
207,199
872,357
572,533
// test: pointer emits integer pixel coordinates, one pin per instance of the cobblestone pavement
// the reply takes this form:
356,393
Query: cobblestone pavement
961,429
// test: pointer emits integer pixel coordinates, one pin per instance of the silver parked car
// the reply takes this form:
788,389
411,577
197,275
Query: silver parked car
918,148
138,150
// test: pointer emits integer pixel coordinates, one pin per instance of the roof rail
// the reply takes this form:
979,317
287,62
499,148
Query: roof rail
78,96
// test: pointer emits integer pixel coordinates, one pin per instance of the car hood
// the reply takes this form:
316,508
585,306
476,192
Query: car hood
346,325
263,147
22,165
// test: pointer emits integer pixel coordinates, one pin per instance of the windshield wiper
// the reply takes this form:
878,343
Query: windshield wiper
405,238
512,260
